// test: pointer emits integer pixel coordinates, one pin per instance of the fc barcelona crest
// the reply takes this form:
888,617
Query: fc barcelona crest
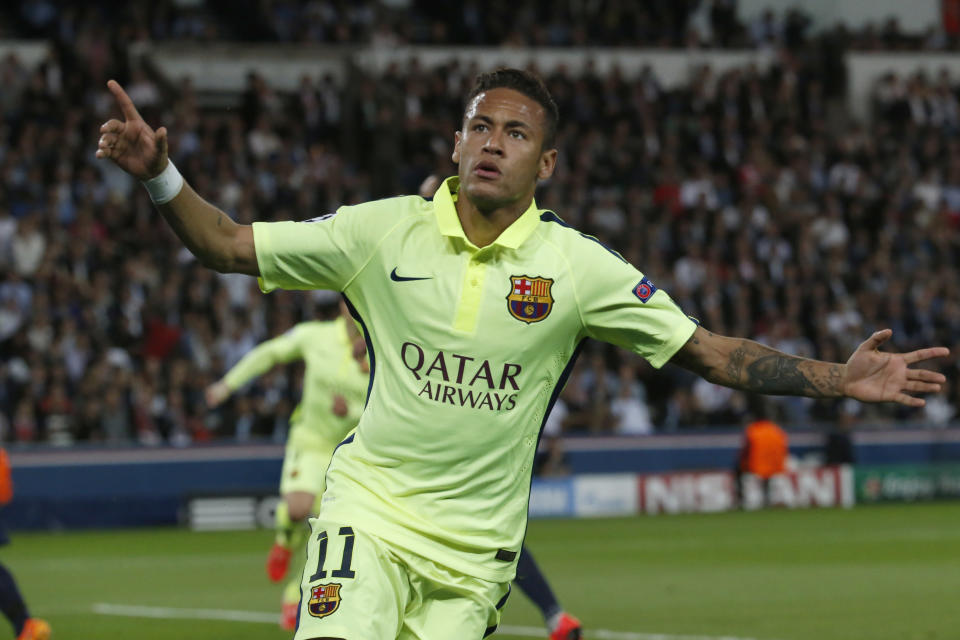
324,600
529,299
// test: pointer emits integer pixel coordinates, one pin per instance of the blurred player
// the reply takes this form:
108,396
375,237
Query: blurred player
474,306
336,377
11,602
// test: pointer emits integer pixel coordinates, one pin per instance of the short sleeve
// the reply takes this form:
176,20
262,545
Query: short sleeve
622,306
323,253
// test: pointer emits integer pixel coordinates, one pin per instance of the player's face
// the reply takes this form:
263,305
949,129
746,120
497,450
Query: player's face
500,150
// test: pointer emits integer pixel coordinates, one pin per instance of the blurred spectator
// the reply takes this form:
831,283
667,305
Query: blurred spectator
629,408
58,419
551,459
27,246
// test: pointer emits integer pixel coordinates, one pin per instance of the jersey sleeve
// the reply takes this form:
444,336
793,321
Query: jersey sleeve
622,306
263,357
322,253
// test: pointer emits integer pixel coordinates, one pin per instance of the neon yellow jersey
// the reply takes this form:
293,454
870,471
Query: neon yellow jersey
330,369
469,347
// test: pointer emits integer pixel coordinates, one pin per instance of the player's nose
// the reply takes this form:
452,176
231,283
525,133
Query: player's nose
494,143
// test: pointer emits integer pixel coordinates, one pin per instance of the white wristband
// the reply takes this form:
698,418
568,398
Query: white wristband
165,186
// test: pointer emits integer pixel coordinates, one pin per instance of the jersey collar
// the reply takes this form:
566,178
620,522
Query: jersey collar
444,203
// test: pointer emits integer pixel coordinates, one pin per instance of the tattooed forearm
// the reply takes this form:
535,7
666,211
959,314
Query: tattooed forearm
735,363
778,374
831,380
753,367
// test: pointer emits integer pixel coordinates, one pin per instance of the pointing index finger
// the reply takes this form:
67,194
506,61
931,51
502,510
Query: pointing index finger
127,108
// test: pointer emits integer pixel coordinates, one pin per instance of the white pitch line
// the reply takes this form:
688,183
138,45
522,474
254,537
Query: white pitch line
176,613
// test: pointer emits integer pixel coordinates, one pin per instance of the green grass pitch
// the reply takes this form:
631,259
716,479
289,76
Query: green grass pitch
871,573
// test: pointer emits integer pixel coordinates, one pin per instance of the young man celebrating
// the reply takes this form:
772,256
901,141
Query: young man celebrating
474,306
336,378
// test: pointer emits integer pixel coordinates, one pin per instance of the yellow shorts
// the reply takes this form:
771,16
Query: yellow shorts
359,587
305,468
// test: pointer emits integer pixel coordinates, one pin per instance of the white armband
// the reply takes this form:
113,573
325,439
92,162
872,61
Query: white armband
165,186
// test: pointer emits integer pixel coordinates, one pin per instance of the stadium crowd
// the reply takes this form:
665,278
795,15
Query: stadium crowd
552,23
750,196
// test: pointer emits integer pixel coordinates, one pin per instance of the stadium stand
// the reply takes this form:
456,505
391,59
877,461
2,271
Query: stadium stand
751,195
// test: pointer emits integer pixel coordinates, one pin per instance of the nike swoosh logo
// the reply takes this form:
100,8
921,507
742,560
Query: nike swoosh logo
396,278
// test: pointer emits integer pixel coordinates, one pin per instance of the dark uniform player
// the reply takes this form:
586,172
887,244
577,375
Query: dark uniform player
11,602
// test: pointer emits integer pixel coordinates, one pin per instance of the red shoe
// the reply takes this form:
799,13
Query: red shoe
277,562
569,628
35,629
288,616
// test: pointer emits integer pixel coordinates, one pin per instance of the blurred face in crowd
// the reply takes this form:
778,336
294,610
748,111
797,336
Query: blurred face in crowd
500,150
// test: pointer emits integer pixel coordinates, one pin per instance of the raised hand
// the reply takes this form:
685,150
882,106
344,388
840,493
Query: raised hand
878,376
132,145
216,393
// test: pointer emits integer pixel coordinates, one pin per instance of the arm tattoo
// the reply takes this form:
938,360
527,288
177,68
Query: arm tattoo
735,364
778,374
753,367
750,366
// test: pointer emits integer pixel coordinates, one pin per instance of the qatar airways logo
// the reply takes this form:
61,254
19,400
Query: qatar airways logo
462,381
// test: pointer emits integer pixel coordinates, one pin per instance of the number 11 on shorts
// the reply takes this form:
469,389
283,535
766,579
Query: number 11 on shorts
344,571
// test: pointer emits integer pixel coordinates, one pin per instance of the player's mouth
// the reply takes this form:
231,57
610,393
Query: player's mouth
486,170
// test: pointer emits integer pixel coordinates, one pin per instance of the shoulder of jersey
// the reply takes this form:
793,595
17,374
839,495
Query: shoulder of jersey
381,213
393,205
557,230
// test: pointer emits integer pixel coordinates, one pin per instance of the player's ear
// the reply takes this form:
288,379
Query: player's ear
548,162
456,147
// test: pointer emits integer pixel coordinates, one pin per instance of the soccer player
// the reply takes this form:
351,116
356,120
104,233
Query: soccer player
335,385
11,601
530,579
473,306
336,376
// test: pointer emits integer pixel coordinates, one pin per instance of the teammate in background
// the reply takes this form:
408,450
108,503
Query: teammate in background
11,602
764,455
474,306
530,579
336,378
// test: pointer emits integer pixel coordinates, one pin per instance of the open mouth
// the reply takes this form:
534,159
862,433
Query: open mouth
487,170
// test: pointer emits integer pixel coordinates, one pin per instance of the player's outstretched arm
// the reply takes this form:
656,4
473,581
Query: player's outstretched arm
209,233
869,375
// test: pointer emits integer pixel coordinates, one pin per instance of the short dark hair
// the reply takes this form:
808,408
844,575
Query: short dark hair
530,85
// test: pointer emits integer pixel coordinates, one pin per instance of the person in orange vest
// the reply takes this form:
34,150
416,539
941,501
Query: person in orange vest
11,602
764,454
